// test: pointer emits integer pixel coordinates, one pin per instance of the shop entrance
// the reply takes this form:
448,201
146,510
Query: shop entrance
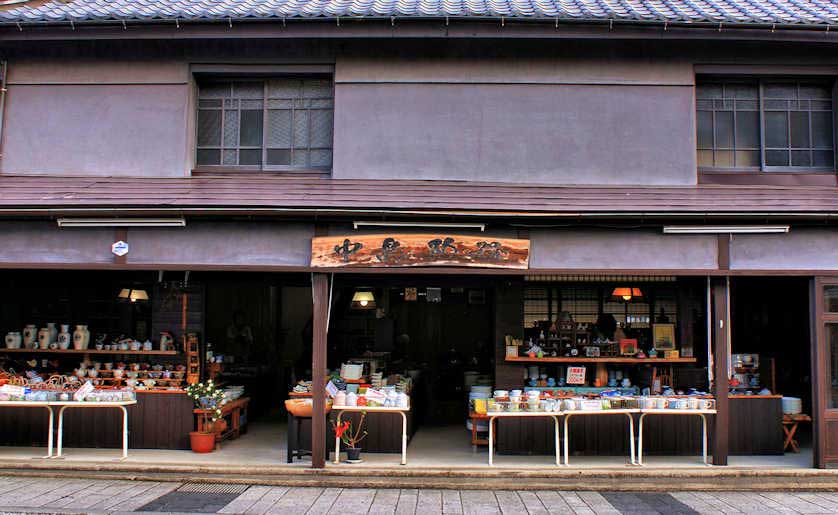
771,368
434,336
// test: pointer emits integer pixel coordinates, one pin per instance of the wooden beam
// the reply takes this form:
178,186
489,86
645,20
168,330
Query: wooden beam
721,354
320,323
724,251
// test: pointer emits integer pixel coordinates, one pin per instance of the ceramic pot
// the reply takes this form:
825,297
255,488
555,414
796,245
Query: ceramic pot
81,337
202,442
30,336
43,338
53,332
64,337
13,340
166,341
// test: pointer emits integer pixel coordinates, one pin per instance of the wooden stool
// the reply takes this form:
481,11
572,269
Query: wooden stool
474,438
790,423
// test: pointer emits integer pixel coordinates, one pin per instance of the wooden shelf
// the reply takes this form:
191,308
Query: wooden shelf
522,359
92,351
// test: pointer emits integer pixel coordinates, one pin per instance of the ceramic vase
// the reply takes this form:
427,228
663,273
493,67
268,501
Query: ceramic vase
81,337
13,340
30,336
64,337
43,338
53,332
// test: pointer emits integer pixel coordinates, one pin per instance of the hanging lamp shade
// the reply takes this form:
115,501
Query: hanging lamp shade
626,294
132,295
363,300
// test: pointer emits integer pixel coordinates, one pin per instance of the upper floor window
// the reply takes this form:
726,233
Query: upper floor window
768,125
282,123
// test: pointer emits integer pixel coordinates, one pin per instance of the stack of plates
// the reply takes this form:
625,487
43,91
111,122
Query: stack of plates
792,406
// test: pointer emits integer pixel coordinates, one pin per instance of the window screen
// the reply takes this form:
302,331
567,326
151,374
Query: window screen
765,124
277,123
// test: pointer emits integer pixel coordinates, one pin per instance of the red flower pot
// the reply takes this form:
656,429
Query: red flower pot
202,442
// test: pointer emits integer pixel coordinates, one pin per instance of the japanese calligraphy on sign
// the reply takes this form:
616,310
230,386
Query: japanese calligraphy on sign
405,250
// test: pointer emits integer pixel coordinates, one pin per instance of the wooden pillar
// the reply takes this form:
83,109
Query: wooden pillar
320,326
721,355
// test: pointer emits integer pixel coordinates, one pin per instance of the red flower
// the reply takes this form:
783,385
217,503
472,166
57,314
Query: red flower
342,428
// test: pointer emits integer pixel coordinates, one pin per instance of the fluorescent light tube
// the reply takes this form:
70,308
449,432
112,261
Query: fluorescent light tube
726,229
122,222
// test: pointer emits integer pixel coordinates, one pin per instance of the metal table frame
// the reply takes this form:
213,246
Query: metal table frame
493,415
82,404
695,412
627,412
373,409
37,404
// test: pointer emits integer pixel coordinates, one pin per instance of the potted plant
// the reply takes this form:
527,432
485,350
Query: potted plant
351,437
209,399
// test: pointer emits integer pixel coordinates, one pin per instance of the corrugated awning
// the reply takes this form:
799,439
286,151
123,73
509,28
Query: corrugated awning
275,193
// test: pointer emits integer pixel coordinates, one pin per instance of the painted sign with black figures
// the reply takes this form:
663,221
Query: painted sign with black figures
406,250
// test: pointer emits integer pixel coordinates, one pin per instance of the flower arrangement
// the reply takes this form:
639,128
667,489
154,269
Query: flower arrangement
207,397
351,438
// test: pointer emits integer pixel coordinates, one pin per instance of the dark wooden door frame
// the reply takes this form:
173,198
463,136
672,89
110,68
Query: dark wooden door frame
320,328
821,373
720,289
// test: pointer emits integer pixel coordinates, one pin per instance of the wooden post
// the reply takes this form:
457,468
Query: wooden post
820,381
320,326
721,355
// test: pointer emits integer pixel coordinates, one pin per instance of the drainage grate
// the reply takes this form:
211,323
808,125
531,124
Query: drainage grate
212,488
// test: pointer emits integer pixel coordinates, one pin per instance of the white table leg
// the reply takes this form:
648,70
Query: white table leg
640,440
566,438
124,432
404,438
558,445
491,440
51,430
60,431
704,437
631,439
337,439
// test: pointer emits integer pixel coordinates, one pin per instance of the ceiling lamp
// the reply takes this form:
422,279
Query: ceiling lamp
363,300
626,294
133,295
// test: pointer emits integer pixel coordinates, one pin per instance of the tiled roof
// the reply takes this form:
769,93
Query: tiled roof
784,12
275,192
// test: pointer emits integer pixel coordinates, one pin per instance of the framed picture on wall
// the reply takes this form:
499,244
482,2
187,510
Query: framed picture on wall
664,336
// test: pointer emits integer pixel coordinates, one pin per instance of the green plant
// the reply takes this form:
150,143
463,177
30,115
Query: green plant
351,438
208,398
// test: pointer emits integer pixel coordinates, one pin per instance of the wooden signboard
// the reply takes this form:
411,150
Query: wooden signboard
405,250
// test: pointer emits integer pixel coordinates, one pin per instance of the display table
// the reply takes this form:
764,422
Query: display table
627,412
236,411
36,404
373,409
790,423
694,412
121,405
494,415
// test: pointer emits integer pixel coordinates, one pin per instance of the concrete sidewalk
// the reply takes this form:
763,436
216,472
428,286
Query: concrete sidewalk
69,495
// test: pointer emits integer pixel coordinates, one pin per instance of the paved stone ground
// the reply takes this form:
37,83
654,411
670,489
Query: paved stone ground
64,495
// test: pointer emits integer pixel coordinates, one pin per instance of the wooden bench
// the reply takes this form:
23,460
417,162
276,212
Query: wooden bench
234,411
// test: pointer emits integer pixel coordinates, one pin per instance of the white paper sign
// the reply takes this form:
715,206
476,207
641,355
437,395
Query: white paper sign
575,375
120,248
82,392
